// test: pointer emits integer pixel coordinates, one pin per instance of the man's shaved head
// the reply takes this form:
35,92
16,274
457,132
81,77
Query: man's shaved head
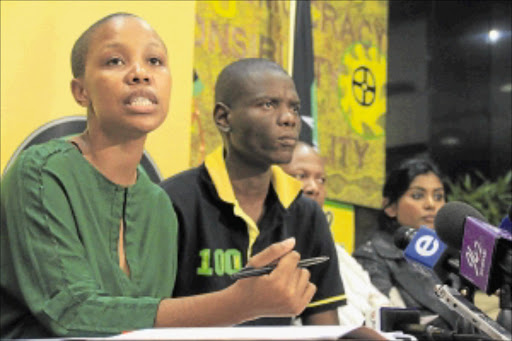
230,83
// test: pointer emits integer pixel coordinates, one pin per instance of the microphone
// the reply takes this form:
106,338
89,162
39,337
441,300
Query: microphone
506,223
407,320
424,247
403,236
485,250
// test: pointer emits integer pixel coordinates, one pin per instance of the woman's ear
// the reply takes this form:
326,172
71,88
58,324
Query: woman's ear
79,92
390,210
221,117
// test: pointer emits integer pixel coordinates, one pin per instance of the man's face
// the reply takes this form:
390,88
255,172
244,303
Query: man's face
308,167
127,80
264,121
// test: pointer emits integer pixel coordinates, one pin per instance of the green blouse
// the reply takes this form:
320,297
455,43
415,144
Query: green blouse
59,232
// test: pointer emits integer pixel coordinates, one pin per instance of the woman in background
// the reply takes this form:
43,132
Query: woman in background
412,195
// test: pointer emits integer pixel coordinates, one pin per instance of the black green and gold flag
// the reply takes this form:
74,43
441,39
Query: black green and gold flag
303,71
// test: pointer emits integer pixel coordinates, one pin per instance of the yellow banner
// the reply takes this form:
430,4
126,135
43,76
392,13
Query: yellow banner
36,42
225,32
350,46
341,219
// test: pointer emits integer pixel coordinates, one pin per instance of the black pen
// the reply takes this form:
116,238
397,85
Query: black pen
265,270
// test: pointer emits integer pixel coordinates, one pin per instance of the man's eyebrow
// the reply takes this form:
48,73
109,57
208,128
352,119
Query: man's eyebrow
263,97
259,98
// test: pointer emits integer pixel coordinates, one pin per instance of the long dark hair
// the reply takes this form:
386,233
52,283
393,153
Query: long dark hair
397,183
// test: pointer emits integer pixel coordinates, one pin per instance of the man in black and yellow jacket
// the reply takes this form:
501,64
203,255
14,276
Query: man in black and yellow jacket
239,201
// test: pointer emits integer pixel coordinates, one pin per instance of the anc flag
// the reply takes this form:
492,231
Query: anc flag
303,71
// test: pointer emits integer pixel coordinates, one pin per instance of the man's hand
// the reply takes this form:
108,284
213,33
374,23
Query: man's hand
285,291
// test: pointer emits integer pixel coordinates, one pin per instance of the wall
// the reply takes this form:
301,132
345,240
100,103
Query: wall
36,42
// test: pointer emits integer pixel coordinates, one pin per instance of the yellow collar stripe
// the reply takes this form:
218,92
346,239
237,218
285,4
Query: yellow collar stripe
327,300
286,187
216,167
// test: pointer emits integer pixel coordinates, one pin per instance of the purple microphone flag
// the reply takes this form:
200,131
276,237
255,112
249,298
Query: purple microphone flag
477,251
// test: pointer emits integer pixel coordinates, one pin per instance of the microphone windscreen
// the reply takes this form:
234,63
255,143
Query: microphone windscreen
402,236
449,222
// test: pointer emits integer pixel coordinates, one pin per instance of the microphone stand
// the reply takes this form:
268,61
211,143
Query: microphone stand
458,303
431,333
505,315
407,320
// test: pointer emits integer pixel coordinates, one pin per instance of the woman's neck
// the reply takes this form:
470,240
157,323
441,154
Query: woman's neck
116,160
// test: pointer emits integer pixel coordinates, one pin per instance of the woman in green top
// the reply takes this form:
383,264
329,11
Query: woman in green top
88,242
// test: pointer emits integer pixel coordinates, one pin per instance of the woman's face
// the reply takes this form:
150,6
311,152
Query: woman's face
126,84
419,205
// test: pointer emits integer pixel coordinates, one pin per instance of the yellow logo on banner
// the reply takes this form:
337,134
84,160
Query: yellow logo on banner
226,9
363,97
351,120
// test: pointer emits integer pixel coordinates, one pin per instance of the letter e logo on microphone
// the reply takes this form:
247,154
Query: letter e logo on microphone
426,245
425,248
